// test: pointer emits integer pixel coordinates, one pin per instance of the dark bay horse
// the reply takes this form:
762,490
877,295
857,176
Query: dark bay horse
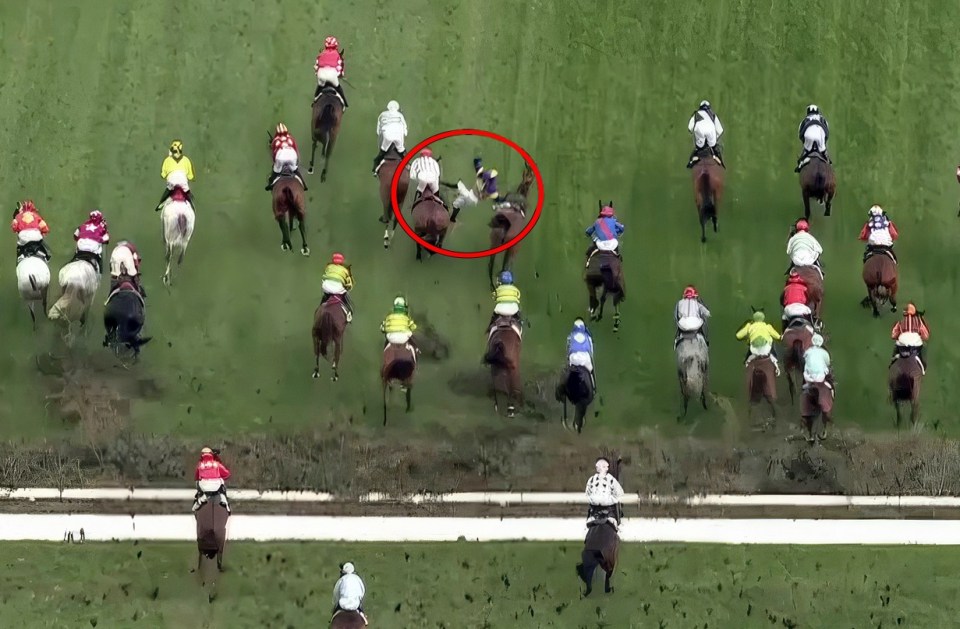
814,280
509,221
797,339
762,383
385,174
325,125
880,274
816,401
399,365
289,205
693,362
601,547
503,357
347,620
576,387
708,178
817,181
605,270
329,325
430,221
123,318
211,530
904,382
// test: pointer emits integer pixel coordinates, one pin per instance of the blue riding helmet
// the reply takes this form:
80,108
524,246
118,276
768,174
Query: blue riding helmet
506,277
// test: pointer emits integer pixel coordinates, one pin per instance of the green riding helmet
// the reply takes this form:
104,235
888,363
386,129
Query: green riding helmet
400,305
759,317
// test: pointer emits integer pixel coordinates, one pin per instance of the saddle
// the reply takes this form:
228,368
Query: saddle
505,323
406,346
90,258
35,249
873,250
603,515
329,89
205,497
422,197
126,285
287,173
799,322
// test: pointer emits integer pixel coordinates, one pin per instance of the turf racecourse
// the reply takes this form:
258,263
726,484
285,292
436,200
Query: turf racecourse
94,92
473,586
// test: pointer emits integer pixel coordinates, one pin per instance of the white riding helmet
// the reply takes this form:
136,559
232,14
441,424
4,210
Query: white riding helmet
817,340
813,109
603,465
400,301
347,568
393,106
876,210
704,104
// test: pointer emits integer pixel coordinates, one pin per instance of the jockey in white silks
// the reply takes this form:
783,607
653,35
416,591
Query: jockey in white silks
816,362
691,315
604,494
580,349
426,171
392,130
349,591
814,132
706,129
802,248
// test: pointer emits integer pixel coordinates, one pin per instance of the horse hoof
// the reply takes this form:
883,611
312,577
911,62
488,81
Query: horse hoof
703,240
305,251
316,374
310,170
334,378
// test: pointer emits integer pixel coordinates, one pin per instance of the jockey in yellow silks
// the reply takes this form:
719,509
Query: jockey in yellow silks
398,327
760,335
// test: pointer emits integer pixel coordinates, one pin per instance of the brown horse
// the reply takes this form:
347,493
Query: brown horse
329,325
813,278
762,383
509,221
880,276
904,381
289,205
817,400
385,174
817,181
211,530
797,339
503,357
605,270
708,178
601,547
430,221
399,365
347,620
325,125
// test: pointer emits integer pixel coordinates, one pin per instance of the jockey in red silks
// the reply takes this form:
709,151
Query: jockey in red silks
90,237
286,157
30,229
329,68
909,335
795,300
210,476
879,233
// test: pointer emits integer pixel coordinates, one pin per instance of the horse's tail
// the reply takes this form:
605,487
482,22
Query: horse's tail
820,182
182,225
499,221
289,201
399,369
882,291
708,207
609,279
327,333
496,354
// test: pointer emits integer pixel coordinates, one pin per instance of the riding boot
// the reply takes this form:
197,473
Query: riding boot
376,161
303,181
166,195
716,153
349,305
922,356
593,381
20,251
800,161
139,285
693,158
316,94
342,96
453,216
272,179
592,249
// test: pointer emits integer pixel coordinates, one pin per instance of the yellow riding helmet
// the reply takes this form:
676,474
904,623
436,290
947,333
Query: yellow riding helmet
176,147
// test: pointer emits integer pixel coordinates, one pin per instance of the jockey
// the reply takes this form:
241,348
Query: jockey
794,300
399,327
816,362
176,161
605,232
30,229
603,492
879,232
507,298
760,335
211,475
329,68
338,280
706,129
802,248
691,315
392,131
426,171
580,349
90,237
487,182
125,260
349,591
286,158
814,133
910,333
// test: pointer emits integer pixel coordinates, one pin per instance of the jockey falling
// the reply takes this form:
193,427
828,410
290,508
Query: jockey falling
286,157
816,362
760,335
507,300
795,300
802,248
30,229
910,334
426,171
691,315
487,182
706,129
814,133
90,237
603,494
349,591
338,280
580,349
211,475
392,131
605,232
329,69
879,233
176,161
399,327
125,260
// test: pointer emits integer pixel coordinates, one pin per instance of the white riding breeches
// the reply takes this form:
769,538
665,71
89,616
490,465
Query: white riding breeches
506,309
910,339
328,75
705,133
880,238
762,350
209,486
392,135
796,310
804,257
90,246
690,324
332,287
399,338
29,235
815,137
122,262
809,376
349,603
465,196
431,181
581,359
607,245
286,157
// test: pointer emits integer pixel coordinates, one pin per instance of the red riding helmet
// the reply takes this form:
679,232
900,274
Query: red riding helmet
426,153
331,42
802,225
26,206
690,292
337,258
607,212
96,217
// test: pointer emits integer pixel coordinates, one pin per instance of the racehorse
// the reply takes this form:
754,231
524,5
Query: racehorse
762,383
600,547
399,365
813,278
178,219
708,178
79,280
385,174
347,620
123,317
576,387
817,181
605,269
503,356
880,274
289,205
904,379
509,221
797,339
211,530
325,125
817,400
693,361
33,279
430,221
329,325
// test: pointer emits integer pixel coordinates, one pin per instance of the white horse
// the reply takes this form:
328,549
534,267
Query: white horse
33,280
178,220
79,282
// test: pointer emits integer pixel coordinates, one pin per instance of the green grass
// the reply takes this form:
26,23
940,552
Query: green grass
486,585
600,96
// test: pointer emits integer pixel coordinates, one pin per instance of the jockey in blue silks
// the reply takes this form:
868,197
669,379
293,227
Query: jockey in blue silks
605,231
580,349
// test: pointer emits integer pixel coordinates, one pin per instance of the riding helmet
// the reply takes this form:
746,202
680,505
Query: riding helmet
506,277
690,292
337,258
176,148
802,225
281,129
331,42
813,109
704,104
393,106
876,210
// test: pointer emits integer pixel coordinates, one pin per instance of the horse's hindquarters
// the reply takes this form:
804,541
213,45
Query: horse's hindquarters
178,222
33,277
